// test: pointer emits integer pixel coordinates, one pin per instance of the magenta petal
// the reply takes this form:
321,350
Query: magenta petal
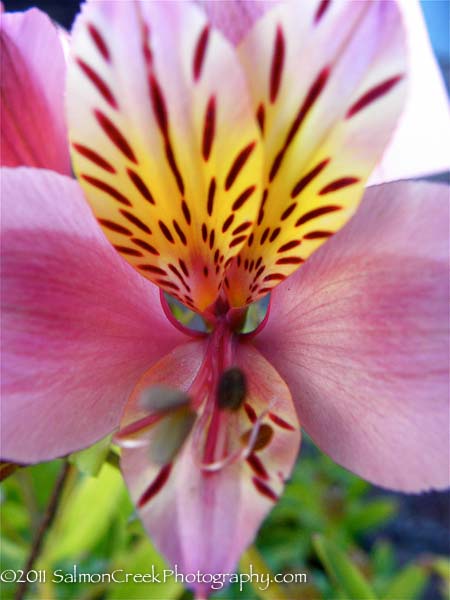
33,129
234,18
204,520
360,334
79,326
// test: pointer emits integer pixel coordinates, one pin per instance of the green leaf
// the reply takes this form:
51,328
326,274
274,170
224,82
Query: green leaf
139,560
342,570
253,562
85,516
91,459
408,584
370,515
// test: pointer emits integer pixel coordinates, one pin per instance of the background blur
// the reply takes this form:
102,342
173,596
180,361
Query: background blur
353,540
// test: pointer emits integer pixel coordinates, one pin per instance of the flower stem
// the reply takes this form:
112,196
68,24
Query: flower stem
45,525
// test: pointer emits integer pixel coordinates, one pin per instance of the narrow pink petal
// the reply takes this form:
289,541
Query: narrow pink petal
234,18
204,520
421,143
360,334
79,326
32,93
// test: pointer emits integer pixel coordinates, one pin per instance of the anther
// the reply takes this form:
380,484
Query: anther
232,389
263,438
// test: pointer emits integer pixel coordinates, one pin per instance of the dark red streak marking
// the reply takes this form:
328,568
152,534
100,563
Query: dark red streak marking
290,260
373,94
159,105
242,199
211,194
108,189
186,212
314,214
101,86
145,246
277,64
98,40
177,273
275,233
259,272
306,179
227,223
180,232
94,157
204,232
242,227
211,239
146,44
288,212
289,246
156,485
173,166
317,235
114,135
264,489
261,117
114,227
238,164
257,466
209,128
153,269
311,97
237,241
338,184
275,277
133,219
251,414
321,10
165,231
140,186
183,267
281,422
264,235
251,237
169,284
130,251
199,54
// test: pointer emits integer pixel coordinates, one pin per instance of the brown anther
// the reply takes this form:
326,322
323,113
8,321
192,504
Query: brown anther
263,438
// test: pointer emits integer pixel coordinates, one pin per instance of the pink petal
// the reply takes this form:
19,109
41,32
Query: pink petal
421,143
79,325
360,335
234,18
32,100
204,520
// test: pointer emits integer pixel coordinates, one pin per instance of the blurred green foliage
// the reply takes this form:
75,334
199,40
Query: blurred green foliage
317,529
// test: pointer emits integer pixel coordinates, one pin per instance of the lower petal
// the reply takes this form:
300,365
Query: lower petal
203,520
79,324
361,337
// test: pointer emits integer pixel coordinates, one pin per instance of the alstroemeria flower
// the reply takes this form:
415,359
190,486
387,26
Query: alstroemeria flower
215,171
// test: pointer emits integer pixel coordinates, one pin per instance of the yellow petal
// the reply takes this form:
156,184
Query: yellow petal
327,87
158,114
